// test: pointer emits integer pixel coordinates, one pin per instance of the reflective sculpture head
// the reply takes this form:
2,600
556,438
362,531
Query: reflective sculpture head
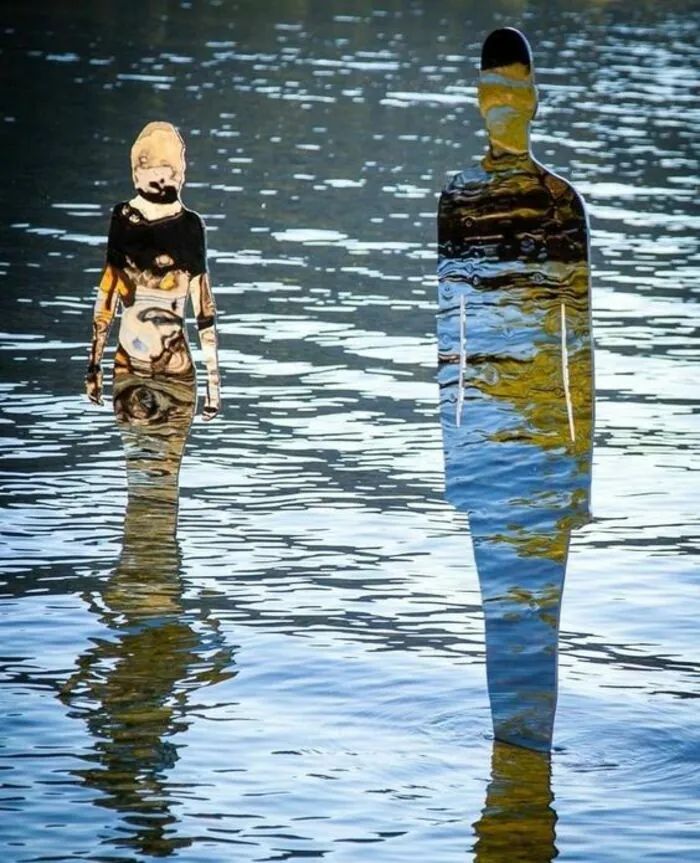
158,162
507,94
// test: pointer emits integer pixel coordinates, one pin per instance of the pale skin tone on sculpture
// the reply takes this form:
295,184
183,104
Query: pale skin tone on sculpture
151,332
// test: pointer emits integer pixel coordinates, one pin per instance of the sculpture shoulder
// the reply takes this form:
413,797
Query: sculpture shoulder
121,212
463,194
563,193
193,218
469,180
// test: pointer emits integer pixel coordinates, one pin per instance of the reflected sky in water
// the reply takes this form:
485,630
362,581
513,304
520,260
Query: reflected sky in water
316,546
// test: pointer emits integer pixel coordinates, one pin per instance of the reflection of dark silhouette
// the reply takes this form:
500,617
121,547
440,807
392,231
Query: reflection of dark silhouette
133,687
516,395
517,822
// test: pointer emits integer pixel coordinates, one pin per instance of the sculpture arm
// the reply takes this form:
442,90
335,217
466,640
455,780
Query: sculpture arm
103,314
205,315
578,354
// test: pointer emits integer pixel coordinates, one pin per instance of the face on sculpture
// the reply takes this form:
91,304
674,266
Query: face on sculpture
156,180
158,161
507,94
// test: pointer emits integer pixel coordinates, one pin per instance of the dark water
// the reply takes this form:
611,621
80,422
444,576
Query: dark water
302,674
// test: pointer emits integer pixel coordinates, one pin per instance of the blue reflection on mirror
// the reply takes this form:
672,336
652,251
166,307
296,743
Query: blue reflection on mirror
516,387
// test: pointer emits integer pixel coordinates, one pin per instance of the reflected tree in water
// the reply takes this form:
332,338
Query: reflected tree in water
517,822
516,387
133,687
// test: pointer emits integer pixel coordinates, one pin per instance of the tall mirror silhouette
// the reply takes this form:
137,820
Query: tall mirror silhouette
518,820
515,371
133,686
156,259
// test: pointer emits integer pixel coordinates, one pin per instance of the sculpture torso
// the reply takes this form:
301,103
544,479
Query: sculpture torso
513,323
154,262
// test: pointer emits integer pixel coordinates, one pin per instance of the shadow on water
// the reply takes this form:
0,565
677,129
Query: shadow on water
517,822
132,688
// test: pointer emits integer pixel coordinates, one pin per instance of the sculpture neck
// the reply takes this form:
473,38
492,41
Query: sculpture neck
152,211
509,134
497,159
514,141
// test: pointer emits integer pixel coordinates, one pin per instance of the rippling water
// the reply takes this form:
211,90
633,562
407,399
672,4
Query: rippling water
302,675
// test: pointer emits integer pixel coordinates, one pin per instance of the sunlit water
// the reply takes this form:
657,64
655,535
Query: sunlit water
303,676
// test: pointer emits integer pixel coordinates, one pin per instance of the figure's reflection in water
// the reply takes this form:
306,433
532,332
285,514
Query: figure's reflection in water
132,687
517,822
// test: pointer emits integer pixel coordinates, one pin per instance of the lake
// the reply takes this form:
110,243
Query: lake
302,673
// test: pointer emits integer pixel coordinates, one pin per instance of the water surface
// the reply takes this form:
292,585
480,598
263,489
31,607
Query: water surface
302,675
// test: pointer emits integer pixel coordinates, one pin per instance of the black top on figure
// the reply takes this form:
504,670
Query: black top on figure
173,243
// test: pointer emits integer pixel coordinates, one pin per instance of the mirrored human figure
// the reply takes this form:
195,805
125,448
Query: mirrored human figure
515,371
156,260
517,823
133,686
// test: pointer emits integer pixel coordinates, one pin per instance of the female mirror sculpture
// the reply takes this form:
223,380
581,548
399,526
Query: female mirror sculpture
156,258
515,372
